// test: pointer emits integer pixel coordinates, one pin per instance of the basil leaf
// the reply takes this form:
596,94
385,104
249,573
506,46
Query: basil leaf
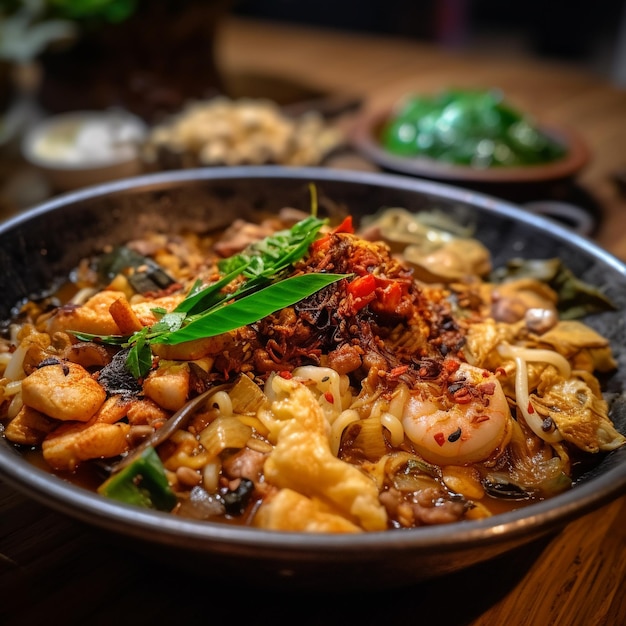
250,309
111,340
139,359
276,251
169,322
202,299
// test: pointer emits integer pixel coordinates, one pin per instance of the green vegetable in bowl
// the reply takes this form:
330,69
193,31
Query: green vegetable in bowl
142,483
464,127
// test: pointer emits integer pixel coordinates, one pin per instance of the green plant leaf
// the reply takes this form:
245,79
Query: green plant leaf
249,309
139,359
202,299
111,340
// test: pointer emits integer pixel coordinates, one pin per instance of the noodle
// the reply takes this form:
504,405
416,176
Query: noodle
522,395
347,417
222,402
328,384
394,426
15,367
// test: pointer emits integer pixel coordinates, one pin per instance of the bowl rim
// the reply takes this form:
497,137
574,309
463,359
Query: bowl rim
364,137
40,128
167,529
538,518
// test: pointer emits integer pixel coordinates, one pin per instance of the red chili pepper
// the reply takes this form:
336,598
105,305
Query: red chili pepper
362,286
531,409
390,296
398,371
346,226
285,374
321,245
363,291
440,439
329,397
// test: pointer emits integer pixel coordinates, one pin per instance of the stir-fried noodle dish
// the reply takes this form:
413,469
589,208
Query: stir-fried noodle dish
301,375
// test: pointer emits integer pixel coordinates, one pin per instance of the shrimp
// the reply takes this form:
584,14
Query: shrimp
466,423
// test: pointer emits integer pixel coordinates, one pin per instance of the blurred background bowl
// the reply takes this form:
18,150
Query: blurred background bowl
83,148
366,138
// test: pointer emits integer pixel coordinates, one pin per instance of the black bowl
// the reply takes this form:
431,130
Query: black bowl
39,247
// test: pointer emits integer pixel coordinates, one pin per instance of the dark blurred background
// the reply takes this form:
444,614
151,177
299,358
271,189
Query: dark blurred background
127,58
581,32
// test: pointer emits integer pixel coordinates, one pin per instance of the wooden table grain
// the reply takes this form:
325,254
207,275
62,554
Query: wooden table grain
56,570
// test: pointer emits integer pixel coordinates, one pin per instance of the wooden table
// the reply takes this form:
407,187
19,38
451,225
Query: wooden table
54,570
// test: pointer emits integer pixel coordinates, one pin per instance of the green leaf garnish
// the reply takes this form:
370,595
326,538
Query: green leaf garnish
140,356
249,309
258,288
200,299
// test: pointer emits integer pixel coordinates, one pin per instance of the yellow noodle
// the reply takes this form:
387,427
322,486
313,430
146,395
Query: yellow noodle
12,388
379,407
398,401
182,459
327,381
211,475
15,405
522,395
536,355
254,422
259,445
347,417
222,401
15,367
365,400
394,426
188,452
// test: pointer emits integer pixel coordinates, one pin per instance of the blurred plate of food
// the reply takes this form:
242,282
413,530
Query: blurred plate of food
472,136
240,131
81,148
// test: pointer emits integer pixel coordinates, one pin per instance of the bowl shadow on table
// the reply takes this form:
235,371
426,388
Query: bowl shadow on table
453,599
150,590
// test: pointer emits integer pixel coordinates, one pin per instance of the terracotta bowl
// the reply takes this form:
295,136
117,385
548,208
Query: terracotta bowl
366,135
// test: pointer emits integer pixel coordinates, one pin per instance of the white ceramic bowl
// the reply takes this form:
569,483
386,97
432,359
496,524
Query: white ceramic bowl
83,148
